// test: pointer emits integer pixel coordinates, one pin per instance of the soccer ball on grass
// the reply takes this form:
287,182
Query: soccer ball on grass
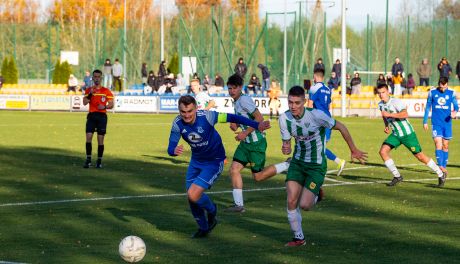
132,249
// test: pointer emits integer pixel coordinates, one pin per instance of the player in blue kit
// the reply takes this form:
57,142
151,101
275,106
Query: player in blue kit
320,98
208,155
442,102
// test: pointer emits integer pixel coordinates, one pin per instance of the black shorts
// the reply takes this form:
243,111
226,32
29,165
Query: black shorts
96,122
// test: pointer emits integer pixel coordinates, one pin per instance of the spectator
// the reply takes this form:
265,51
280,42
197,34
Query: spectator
390,84
337,68
117,71
424,72
1,81
444,68
87,81
380,81
319,65
265,78
152,81
397,81
107,71
181,85
410,84
218,85
457,70
254,85
72,83
274,103
397,67
144,73
241,69
207,82
333,82
219,81
355,84
168,83
162,73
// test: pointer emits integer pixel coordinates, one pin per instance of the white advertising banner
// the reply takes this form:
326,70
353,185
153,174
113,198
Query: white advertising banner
50,102
77,104
144,104
225,104
14,102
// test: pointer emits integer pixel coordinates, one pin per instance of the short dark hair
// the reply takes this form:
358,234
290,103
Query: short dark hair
186,100
382,85
97,71
319,71
443,80
235,79
297,91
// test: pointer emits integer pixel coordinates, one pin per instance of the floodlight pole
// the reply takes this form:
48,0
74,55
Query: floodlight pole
343,81
285,49
124,47
162,33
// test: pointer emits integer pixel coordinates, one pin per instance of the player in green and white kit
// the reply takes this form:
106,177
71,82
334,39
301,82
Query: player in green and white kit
395,116
252,147
203,100
308,167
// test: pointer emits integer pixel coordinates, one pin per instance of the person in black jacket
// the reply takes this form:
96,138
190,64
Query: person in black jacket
337,68
457,70
144,73
241,69
254,84
319,65
265,78
162,73
397,67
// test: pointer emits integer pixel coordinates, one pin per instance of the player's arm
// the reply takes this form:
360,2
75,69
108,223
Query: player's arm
174,137
211,104
427,111
109,103
402,114
455,104
285,136
355,152
87,97
231,118
243,134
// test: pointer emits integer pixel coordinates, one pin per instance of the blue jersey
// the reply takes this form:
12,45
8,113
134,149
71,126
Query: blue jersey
441,105
320,94
205,142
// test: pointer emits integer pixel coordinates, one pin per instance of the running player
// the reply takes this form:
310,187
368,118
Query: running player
203,100
308,167
208,155
442,102
320,98
99,99
394,116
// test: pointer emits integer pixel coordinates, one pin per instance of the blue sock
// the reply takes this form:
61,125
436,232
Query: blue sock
439,157
330,155
445,158
206,203
198,214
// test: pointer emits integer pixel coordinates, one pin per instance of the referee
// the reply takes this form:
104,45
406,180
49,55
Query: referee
99,99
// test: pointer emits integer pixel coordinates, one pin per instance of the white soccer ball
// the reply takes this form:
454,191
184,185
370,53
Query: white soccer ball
132,249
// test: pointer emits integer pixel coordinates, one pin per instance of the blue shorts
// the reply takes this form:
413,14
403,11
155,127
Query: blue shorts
203,174
442,131
328,134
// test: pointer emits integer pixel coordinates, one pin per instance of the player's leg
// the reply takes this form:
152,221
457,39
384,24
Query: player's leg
390,143
446,137
101,131
240,159
89,129
294,190
331,156
257,159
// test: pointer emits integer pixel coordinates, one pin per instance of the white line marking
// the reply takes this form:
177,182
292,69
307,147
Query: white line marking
128,197
9,262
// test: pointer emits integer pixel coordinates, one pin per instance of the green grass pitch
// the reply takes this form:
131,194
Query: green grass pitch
54,211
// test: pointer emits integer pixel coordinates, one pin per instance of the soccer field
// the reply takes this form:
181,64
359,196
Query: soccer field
54,211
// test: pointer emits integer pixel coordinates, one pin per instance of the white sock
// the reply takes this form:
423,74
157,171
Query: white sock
434,167
392,167
280,167
295,220
337,160
238,197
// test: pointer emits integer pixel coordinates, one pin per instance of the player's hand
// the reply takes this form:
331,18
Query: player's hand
240,136
101,107
425,126
453,114
386,114
264,125
179,150
233,126
387,130
361,156
286,148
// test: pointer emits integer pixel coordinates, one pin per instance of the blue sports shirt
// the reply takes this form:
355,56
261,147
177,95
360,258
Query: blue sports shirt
320,94
441,105
205,142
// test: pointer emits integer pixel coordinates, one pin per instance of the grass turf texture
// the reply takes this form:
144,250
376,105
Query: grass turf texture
41,158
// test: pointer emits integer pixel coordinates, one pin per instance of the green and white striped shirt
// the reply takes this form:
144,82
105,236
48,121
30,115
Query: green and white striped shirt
309,132
400,126
246,107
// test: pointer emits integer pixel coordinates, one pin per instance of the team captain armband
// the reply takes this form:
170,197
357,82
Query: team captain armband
225,118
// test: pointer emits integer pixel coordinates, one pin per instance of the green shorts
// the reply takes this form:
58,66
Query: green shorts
410,142
252,153
309,175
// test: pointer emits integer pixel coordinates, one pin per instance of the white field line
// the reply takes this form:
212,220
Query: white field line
128,197
9,262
